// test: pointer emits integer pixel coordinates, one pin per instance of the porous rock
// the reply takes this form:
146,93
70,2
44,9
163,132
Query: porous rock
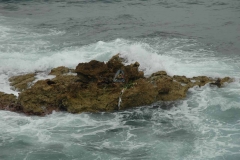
61,70
93,89
9,102
22,82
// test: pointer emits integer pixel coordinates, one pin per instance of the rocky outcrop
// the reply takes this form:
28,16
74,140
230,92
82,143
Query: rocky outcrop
9,102
99,72
93,89
22,82
61,70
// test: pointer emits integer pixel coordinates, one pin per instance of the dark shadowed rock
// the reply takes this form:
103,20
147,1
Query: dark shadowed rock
115,63
220,82
93,68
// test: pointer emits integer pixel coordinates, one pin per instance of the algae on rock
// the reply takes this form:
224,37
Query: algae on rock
93,89
22,82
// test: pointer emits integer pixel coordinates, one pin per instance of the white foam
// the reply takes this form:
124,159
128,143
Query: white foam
43,76
152,57
5,85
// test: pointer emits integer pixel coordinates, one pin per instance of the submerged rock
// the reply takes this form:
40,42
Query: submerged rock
93,88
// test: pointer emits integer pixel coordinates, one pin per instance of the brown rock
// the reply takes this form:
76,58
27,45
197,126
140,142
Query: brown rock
91,71
22,82
43,97
92,68
169,90
182,79
201,80
220,82
159,73
96,71
132,73
141,93
115,63
61,70
93,89
226,80
136,64
9,102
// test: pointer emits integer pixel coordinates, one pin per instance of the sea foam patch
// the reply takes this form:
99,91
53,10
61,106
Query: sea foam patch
33,52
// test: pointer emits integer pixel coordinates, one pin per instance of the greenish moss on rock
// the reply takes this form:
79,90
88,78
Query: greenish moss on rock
22,82
93,89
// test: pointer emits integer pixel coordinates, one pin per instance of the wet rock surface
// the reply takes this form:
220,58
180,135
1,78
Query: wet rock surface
61,70
9,102
22,82
92,89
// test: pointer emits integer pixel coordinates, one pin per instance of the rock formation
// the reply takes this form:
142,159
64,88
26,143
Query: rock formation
22,82
92,89
9,102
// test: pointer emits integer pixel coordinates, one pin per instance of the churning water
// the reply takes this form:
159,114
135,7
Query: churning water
182,37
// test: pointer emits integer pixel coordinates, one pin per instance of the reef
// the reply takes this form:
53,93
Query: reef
92,87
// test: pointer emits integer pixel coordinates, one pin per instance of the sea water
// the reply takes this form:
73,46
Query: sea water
182,37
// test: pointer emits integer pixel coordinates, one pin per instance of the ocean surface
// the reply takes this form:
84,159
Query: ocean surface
182,37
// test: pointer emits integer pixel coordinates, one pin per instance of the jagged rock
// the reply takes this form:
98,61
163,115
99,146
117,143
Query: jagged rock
225,80
92,69
182,79
132,73
96,71
220,82
22,82
9,102
44,96
159,73
141,93
60,71
115,63
93,89
168,89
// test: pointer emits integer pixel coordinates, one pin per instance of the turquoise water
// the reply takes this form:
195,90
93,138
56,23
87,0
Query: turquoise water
182,37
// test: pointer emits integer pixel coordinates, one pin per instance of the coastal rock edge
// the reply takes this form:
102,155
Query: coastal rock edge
94,89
